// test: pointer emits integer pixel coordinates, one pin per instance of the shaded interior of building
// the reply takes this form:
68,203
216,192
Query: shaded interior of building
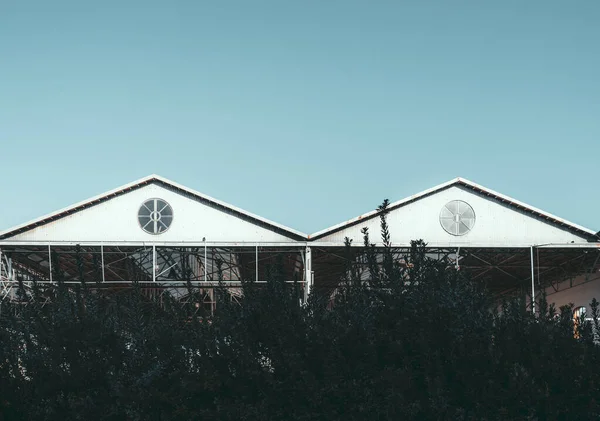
504,271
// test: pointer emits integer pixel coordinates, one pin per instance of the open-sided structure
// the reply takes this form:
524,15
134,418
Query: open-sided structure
509,245
162,234
152,231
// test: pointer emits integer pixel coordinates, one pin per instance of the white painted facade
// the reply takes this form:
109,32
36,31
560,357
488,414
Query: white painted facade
500,221
198,220
116,220
497,224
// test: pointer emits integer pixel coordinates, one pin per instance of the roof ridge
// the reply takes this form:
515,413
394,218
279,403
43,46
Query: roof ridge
137,184
452,182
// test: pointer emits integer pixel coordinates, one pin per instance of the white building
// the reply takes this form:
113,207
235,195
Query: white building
161,233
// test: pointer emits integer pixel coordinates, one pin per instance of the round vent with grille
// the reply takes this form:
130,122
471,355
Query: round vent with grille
457,217
155,216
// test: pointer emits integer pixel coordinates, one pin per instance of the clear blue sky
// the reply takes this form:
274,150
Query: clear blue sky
305,112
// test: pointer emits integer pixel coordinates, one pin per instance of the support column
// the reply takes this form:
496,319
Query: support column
50,262
4,283
256,265
532,283
308,273
10,272
456,265
102,261
153,263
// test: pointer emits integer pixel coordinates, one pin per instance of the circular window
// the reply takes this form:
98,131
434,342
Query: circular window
155,216
457,217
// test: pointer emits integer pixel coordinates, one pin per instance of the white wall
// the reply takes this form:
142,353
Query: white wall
496,224
116,220
580,294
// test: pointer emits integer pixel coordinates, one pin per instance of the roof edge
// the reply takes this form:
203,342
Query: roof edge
137,184
376,212
466,183
518,203
231,207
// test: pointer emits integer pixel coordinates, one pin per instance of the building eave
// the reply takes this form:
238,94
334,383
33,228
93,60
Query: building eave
289,232
590,235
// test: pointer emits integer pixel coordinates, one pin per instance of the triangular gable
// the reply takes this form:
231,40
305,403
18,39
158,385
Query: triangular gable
499,221
113,217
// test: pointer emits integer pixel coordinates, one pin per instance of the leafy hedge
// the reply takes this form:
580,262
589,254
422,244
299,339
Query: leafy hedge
420,341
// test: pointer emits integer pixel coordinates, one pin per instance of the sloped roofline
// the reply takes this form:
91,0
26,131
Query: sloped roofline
297,235
458,181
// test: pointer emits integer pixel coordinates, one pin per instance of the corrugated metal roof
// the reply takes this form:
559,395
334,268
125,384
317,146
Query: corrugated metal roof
590,234
289,232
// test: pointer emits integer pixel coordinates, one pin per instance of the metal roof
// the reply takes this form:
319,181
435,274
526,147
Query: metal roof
289,232
590,234
297,235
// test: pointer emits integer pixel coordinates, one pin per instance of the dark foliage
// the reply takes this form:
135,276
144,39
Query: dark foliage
420,341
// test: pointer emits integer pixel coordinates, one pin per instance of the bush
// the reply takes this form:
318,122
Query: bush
420,340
